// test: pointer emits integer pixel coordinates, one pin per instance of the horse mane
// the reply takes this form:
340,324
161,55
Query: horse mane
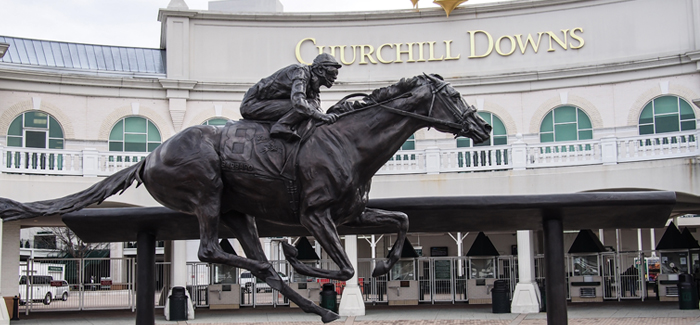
385,93
388,92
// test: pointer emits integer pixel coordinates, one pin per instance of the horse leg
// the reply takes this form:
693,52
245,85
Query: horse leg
246,232
376,217
323,229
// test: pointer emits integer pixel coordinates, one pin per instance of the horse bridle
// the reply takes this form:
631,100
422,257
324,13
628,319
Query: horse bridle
435,90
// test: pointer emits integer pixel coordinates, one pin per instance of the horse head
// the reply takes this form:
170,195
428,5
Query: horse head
450,113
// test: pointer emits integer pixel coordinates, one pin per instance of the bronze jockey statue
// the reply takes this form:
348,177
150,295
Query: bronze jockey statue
291,96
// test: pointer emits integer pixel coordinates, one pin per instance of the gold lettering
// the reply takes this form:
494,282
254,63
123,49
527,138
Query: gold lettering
342,55
576,37
512,45
432,52
529,40
364,55
448,52
472,40
556,39
297,51
332,48
409,52
320,48
420,52
379,53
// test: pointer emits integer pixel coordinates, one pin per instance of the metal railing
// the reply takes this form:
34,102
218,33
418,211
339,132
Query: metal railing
519,155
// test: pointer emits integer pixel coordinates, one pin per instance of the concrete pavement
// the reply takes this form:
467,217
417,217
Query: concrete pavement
623,313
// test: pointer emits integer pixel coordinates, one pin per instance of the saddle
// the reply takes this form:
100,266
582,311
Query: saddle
246,147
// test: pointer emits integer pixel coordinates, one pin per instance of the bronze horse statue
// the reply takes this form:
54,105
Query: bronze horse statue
333,171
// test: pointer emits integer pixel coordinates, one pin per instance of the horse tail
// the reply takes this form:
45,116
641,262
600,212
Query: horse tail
119,181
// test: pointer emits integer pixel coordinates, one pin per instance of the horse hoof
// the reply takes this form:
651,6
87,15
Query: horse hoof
329,317
289,250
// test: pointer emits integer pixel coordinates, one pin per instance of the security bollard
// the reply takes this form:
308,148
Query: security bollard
15,308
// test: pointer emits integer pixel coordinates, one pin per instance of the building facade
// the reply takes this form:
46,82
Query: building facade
584,95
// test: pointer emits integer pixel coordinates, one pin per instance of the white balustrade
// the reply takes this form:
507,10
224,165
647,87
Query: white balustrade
40,161
405,162
476,159
518,156
658,146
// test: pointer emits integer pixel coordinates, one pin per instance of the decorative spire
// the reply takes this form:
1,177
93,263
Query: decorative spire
415,3
178,5
449,5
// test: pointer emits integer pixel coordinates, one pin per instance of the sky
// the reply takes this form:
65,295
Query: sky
135,22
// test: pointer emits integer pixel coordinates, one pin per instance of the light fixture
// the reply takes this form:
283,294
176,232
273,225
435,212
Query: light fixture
449,5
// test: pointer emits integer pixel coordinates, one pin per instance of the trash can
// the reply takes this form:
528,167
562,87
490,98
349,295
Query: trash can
500,300
178,304
687,293
329,297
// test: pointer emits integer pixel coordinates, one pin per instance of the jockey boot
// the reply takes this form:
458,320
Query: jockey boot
284,128
283,131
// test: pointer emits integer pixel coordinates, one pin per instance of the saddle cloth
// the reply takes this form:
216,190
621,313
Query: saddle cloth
246,147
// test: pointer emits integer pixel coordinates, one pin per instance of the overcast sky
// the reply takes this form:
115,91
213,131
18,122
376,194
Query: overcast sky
135,22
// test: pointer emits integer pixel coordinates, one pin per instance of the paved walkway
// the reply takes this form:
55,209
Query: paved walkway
618,313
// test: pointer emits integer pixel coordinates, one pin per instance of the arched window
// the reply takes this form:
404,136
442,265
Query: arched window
134,134
410,143
498,133
215,121
666,114
566,123
35,129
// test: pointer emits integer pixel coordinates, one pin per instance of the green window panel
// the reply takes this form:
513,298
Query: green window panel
117,133
153,134
686,110
565,114
14,141
546,137
35,129
688,125
410,144
134,134
666,114
665,105
647,116
500,140
463,142
547,123
35,139
36,120
566,123
216,122
565,132
666,123
16,127
55,130
135,125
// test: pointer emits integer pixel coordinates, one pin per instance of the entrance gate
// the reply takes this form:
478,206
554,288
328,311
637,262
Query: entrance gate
48,284
373,289
255,292
610,279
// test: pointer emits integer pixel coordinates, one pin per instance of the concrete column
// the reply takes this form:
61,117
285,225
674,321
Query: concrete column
432,160
526,299
519,150
91,162
652,237
608,146
351,303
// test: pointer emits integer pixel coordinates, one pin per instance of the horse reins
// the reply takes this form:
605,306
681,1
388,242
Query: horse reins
427,118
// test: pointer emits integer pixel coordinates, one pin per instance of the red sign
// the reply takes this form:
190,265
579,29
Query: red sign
56,283
106,282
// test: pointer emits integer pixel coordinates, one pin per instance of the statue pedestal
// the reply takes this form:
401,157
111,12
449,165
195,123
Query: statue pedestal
351,303
526,299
